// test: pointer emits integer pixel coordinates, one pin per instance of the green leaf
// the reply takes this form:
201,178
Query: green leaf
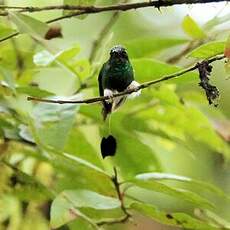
208,50
8,78
5,31
130,152
169,176
147,46
83,68
38,30
29,25
84,162
176,193
63,158
154,69
192,125
34,91
68,53
215,21
192,29
211,217
173,219
53,122
77,3
66,205
63,211
45,58
79,146
25,134
162,176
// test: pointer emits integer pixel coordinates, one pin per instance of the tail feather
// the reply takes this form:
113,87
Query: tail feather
107,109
118,101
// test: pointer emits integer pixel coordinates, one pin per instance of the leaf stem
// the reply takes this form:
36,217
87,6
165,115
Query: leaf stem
119,193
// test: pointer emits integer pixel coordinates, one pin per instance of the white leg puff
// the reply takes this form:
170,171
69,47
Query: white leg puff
108,93
134,85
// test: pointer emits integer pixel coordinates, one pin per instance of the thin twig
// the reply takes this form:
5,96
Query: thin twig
119,193
141,86
9,36
80,10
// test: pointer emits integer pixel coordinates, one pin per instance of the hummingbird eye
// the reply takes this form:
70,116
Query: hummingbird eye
124,54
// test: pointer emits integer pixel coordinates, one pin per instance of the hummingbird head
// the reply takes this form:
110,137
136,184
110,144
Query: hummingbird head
118,54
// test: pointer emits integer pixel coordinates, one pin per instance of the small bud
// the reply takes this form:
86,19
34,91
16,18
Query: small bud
53,32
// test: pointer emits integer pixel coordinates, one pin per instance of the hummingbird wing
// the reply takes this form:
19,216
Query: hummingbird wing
107,106
101,90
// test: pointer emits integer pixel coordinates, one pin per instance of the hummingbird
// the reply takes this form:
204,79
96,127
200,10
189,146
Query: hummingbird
116,75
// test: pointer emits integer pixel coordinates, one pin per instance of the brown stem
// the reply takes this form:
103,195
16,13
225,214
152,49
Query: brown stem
142,86
121,199
119,193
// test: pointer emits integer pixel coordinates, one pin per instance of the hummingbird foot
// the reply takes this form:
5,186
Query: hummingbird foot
132,86
108,93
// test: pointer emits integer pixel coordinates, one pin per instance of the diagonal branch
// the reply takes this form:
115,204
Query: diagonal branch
141,86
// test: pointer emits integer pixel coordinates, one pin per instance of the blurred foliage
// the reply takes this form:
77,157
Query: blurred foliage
173,148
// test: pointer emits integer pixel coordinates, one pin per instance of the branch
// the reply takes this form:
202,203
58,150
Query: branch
117,7
80,10
123,7
141,86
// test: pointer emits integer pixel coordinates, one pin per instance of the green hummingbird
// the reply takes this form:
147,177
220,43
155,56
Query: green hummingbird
116,75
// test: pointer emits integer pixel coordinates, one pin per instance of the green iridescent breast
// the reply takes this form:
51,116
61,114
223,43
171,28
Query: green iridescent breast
117,77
